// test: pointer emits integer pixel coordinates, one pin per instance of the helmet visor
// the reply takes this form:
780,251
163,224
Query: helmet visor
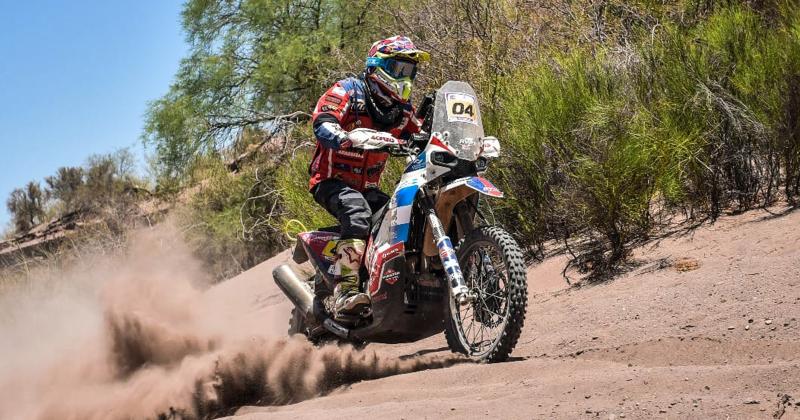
395,68
400,69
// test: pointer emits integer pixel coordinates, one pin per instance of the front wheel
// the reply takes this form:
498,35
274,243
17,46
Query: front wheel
487,329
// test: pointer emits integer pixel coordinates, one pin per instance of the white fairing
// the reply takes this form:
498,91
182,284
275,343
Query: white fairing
491,147
457,129
396,222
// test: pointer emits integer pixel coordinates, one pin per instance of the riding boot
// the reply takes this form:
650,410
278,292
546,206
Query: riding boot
348,298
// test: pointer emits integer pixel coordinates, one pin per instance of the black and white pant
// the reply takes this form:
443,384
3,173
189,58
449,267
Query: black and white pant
352,208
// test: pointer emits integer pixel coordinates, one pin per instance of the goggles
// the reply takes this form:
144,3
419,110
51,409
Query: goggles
396,68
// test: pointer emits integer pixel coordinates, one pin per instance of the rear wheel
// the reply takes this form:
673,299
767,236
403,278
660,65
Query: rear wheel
488,328
297,323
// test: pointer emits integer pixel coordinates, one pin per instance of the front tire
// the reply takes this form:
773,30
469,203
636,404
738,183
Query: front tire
487,329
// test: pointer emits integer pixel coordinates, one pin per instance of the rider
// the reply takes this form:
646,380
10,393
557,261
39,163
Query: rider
352,119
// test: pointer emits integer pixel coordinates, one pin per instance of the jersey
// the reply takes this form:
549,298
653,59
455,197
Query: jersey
343,108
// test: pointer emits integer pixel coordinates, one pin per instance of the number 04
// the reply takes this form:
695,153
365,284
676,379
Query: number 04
460,109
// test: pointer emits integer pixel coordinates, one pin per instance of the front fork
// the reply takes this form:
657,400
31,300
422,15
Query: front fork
449,259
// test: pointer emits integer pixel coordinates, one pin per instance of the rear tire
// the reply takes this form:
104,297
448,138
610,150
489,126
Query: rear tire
297,323
500,309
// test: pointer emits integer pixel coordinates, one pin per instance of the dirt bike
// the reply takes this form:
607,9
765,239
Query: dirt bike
419,283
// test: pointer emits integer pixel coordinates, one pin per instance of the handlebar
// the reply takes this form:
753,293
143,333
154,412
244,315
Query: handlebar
398,150
416,143
420,139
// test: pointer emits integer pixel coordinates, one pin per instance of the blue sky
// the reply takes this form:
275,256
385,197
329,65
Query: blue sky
75,79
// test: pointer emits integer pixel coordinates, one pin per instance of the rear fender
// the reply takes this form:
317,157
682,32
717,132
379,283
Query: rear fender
318,247
299,255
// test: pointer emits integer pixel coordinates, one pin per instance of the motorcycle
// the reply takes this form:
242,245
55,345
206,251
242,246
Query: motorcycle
421,284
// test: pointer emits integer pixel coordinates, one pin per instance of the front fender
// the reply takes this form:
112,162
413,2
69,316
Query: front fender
481,185
447,199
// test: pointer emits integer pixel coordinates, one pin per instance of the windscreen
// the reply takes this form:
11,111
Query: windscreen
457,117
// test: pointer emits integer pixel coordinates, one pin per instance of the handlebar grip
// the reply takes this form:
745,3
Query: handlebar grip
396,150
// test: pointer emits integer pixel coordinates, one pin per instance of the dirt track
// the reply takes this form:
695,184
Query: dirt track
721,340
135,336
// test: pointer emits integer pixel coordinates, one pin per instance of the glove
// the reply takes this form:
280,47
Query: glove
367,139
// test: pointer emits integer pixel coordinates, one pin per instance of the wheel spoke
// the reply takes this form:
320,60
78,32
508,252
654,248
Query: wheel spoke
481,323
493,312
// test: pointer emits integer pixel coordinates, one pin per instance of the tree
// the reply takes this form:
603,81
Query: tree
26,207
65,186
107,177
250,61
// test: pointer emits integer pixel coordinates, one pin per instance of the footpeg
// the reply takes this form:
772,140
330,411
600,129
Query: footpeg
336,328
354,318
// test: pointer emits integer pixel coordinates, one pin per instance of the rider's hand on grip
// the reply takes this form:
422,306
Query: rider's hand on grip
367,139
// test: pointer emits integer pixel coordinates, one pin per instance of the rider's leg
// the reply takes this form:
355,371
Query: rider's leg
348,297
376,199
353,212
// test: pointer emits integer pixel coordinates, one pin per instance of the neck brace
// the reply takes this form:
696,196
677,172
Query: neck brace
381,107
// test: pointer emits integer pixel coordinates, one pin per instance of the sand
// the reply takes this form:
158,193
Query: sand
703,324
718,340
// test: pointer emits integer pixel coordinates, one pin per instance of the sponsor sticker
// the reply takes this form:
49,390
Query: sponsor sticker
466,143
484,186
392,253
417,164
382,258
333,99
391,276
328,108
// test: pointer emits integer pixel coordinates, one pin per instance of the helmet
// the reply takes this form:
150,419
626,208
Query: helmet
392,64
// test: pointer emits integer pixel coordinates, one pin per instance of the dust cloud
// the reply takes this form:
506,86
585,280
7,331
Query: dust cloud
135,336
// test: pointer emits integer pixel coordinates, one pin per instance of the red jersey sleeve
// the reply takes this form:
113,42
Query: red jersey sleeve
334,103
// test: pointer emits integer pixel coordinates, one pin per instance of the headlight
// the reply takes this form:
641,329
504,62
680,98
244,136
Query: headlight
444,159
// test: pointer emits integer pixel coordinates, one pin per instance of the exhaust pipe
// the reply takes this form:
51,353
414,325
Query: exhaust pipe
295,289
303,298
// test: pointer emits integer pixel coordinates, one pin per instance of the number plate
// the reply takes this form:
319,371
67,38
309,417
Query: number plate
461,108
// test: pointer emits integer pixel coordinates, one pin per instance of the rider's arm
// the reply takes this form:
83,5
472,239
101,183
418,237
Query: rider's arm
412,123
329,113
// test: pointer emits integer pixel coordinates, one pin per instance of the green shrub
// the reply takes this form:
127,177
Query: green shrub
231,221
599,140
292,181
579,157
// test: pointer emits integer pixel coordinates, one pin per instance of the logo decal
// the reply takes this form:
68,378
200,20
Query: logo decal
352,255
332,99
418,164
484,186
381,259
391,276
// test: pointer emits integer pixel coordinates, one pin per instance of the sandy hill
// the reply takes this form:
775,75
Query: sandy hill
705,326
